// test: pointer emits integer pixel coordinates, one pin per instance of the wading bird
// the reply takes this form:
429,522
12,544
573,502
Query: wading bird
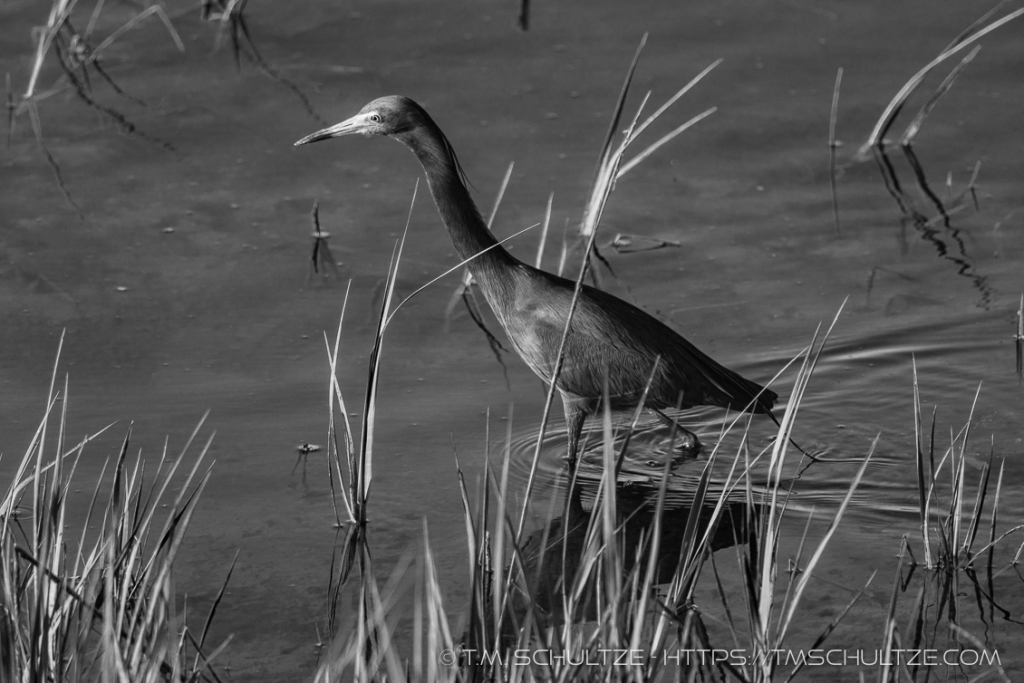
612,347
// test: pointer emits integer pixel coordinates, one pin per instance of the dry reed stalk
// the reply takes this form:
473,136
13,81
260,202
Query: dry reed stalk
969,36
832,149
75,56
544,232
103,607
915,125
230,17
1019,340
322,256
607,171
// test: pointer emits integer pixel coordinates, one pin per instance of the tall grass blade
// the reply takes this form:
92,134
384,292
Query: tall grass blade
832,149
365,468
901,97
816,556
922,475
1019,340
617,112
632,163
544,232
915,125
334,393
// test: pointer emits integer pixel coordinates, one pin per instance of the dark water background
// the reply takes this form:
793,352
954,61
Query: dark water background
218,314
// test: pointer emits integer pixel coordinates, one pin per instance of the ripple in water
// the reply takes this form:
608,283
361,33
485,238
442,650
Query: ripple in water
654,444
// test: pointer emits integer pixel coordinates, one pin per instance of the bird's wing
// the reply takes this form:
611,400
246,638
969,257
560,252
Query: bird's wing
703,380
616,343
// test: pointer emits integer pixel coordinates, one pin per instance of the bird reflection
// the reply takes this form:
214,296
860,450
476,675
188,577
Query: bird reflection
554,551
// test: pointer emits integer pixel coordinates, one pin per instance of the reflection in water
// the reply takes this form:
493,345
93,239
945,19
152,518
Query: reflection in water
555,555
1019,340
651,444
947,242
629,244
959,609
322,261
555,551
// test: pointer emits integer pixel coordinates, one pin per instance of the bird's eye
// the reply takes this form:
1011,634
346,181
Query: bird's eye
375,118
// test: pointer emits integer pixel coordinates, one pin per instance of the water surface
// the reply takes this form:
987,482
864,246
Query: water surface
181,275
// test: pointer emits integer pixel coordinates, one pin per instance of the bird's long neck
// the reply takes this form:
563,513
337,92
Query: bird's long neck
459,213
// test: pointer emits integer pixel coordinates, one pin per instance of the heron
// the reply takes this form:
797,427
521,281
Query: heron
614,351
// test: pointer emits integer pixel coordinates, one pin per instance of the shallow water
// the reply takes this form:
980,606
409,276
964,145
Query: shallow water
210,243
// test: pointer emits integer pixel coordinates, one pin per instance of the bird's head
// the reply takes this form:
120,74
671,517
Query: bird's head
391,115
404,120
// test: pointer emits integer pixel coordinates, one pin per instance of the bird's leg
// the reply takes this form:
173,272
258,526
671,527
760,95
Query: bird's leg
689,444
574,419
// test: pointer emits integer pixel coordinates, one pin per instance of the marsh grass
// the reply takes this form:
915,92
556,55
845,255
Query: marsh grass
77,57
949,246
611,165
951,523
1018,340
832,145
322,261
9,103
229,17
959,535
90,598
918,121
583,583
545,226
980,28
610,168
547,576
769,609
573,589
934,621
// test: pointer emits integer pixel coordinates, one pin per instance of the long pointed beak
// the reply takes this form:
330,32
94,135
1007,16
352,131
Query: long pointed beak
356,124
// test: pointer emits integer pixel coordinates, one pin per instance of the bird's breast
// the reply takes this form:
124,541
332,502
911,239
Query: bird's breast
535,334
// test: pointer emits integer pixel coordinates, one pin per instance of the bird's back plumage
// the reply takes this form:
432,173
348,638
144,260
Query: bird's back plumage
614,340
